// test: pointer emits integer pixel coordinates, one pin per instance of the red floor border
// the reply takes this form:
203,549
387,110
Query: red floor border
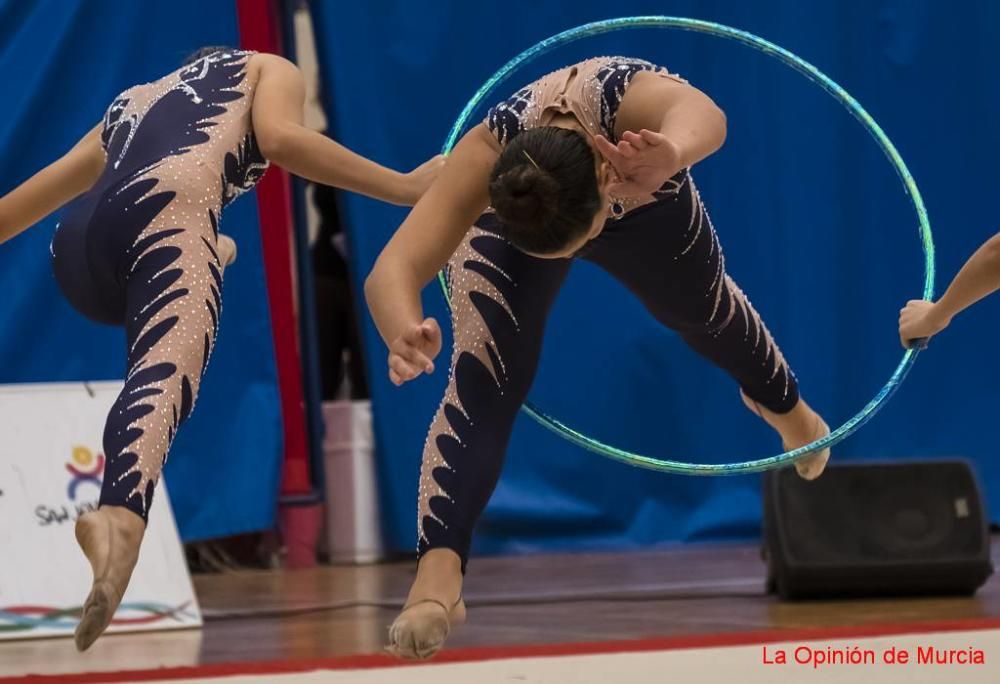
377,660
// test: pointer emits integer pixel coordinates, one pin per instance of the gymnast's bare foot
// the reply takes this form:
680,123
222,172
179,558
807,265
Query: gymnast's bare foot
432,609
798,427
227,250
110,538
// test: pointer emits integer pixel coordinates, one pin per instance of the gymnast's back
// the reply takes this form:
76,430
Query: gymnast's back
191,131
177,151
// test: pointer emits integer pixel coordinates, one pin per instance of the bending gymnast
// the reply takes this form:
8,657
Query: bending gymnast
589,162
140,248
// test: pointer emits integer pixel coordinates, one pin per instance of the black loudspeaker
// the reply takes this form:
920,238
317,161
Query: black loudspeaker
876,529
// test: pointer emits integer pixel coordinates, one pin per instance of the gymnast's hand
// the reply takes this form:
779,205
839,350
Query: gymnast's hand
413,352
920,319
421,178
644,161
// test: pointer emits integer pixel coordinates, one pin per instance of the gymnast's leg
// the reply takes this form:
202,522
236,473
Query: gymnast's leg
500,298
686,287
173,298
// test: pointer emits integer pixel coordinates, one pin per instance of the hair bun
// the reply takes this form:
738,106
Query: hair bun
525,194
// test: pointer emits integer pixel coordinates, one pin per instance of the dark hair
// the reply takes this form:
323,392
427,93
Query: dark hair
205,52
543,208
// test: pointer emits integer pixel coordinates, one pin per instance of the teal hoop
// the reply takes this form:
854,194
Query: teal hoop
839,94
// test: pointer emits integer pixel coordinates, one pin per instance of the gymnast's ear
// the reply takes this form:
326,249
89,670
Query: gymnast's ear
607,175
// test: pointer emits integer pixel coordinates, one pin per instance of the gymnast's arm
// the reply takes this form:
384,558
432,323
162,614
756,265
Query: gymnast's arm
685,116
278,110
664,125
979,277
422,246
55,185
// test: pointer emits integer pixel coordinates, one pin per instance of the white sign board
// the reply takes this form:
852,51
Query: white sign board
51,467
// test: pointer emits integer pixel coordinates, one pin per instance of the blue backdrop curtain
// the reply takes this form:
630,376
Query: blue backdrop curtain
63,63
815,226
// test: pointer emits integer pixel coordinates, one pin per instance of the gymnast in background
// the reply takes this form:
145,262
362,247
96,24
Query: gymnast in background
589,162
341,358
978,278
140,248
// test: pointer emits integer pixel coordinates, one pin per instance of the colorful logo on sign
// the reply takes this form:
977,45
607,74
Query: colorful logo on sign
84,467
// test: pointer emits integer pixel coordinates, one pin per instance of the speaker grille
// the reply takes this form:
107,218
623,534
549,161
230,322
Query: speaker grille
880,513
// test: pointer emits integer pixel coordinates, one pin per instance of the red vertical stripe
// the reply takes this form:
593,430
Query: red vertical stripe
260,30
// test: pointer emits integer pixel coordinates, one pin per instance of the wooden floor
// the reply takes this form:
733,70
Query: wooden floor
512,600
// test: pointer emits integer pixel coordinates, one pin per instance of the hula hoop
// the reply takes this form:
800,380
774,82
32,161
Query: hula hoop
838,93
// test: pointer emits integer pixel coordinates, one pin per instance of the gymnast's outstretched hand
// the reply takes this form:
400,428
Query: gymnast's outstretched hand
920,319
422,177
413,352
978,278
644,161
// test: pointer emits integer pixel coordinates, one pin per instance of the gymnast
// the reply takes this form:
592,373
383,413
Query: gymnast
140,247
977,279
591,162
